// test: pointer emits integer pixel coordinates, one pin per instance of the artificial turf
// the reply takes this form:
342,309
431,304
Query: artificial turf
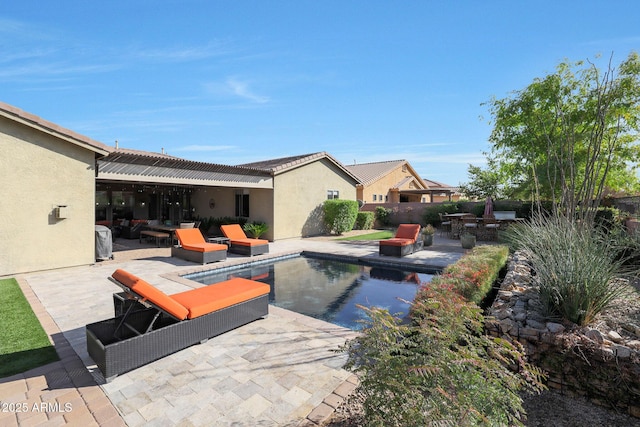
378,235
23,342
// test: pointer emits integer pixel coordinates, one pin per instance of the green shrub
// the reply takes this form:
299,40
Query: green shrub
575,266
256,229
430,214
364,220
383,215
340,215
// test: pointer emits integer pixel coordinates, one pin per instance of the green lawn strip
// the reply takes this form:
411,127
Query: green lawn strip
379,235
23,342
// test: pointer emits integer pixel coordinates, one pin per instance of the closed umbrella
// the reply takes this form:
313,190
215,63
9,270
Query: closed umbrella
488,206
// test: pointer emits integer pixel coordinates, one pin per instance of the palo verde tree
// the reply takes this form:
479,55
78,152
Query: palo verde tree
569,135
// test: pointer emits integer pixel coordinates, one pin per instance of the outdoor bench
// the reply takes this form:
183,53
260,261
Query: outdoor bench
156,234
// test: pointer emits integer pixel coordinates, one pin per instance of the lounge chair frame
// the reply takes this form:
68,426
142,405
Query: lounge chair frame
400,251
238,248
146,333
199,257
413,244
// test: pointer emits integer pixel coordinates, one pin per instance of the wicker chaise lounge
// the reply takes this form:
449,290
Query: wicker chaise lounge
406,241
194,248
156,324
241,244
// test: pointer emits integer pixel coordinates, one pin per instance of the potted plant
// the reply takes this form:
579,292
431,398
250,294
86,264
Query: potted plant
427,234
467,240
256,229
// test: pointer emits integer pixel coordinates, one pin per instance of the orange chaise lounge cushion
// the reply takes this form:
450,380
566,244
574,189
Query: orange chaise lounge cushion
407,234
191,239
220,295
151,293
194,302
236,235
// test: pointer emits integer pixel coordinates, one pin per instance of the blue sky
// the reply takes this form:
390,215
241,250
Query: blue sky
233,82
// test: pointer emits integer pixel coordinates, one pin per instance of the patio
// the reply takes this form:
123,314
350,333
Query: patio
276,371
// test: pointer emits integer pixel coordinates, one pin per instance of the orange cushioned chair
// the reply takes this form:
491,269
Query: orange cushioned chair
406,241
194,248
156,324
241,244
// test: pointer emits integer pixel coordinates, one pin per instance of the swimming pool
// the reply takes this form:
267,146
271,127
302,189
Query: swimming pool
327,289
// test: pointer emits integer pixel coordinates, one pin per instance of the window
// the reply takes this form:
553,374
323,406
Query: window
375,198
386,198
242,203
333,194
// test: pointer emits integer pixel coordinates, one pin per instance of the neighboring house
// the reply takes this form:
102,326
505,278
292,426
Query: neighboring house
396,181
48,180
440,192
392,181
301,184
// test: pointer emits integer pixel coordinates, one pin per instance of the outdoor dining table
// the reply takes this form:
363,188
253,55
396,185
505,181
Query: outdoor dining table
171,229
457,224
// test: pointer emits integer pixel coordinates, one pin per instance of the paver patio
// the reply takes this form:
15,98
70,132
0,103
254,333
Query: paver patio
278,371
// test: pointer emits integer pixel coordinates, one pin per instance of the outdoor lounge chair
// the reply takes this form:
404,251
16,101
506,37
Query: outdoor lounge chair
193,247
156,324
241,244
407,241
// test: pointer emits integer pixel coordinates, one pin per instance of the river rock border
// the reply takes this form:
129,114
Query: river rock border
604,367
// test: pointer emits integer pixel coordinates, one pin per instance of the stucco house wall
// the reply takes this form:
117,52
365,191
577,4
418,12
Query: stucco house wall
389,181
39,172
299,193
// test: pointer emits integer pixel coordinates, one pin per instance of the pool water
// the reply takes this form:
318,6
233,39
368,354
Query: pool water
328,289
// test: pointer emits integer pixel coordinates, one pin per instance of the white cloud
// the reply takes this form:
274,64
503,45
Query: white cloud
242,90
239,88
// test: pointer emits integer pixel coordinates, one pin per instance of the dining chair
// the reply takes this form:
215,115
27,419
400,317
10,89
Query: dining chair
470,223
445,225
491,225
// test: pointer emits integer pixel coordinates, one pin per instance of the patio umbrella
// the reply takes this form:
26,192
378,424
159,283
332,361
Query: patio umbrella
488,206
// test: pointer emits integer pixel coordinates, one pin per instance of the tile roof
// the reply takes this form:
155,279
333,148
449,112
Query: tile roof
371,172
283,164
435,185
51,128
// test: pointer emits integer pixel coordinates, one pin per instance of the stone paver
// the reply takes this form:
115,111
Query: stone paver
275,371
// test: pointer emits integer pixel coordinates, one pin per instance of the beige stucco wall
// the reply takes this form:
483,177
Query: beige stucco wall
260,204
298,196
39,172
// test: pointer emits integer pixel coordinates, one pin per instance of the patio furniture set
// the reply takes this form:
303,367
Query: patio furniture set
485,228
192,245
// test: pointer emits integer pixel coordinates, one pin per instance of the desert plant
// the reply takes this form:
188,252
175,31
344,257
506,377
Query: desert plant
256,229
340,215
575,266
473,275
438,369
428,230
